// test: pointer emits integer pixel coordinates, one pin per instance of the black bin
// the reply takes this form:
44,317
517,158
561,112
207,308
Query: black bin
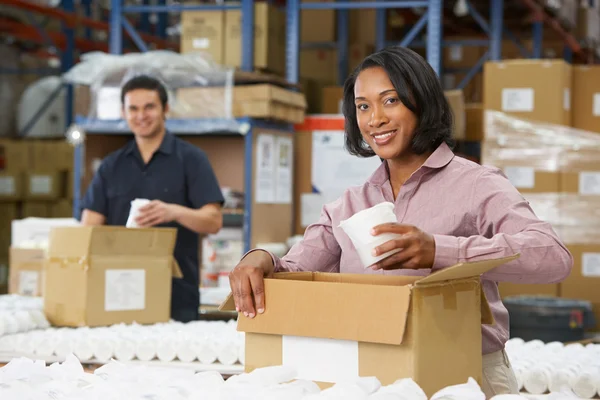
548,319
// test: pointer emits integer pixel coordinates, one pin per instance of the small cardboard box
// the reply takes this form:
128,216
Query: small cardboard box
44,185
11,185
334,327
586,98
456,100
106,275
204,31
26,271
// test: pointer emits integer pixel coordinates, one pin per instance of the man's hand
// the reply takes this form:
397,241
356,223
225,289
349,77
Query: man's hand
417,248
155,213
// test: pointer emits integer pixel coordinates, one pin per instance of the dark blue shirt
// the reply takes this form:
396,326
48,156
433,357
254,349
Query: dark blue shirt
178,173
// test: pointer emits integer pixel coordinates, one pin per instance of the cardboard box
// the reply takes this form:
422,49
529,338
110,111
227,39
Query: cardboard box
317,26
35,209
334,333
361,26
107,275
459,56
319,65
258,101
580,172
521,88
26,271
474,122
457,105
269,38
61,209
586,98
204,31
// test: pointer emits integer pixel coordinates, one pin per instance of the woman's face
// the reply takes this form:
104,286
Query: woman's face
385,123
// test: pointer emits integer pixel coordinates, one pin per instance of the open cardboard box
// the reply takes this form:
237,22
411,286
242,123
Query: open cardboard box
106,275
336,327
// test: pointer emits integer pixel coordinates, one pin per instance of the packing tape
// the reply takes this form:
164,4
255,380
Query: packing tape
64,261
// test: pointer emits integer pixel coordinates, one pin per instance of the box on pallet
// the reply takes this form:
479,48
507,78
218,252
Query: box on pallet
325,326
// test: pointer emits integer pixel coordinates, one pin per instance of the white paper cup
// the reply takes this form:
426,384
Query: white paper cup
358,228
134,212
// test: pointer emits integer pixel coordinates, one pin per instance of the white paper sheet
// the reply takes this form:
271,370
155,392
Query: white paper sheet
284,161
334,169
321,360
265,169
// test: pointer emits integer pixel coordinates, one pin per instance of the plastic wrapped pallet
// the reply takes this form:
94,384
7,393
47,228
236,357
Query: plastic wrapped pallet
106,73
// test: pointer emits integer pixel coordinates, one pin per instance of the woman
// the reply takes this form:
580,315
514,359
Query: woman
449,209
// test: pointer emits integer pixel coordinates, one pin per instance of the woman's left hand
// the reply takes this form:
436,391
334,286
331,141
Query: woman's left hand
418,248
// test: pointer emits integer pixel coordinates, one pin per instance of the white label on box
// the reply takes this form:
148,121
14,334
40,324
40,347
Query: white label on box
517,100
590,264
200,43
125,290
589,183
456,53
28,283
321,360
521,177
7,186
567,99
40,184
596,106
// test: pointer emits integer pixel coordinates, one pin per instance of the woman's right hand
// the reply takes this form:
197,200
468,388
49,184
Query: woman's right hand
247,283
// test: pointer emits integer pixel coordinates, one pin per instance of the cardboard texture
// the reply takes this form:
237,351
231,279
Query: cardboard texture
14,155
520,88
586,98
45,185
317,26
26,269
105,275
422,323
258,101
474,122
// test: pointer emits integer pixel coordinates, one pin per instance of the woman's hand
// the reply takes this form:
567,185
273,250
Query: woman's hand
247,283
418,248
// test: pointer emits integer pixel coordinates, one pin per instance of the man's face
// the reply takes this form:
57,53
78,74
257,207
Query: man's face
144,112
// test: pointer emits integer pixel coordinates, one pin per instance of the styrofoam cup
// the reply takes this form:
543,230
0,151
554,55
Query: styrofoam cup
358,228
134,212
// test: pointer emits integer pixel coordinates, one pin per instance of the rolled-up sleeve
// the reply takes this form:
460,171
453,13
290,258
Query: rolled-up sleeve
506,225
318,251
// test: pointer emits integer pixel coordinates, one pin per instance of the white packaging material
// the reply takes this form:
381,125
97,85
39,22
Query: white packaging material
358,228
465,391
134,211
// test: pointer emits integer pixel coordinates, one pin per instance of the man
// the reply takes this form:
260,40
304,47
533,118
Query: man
175,175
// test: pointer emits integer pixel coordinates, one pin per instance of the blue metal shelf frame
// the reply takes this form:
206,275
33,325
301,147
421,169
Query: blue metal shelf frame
242,126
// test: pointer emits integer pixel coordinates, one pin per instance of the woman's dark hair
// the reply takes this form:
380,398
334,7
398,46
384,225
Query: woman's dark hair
419,89
148,83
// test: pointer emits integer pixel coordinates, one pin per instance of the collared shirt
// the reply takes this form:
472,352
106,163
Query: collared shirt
473,213
178,173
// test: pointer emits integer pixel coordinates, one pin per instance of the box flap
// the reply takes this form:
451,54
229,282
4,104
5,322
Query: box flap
347,311
84,241
466,270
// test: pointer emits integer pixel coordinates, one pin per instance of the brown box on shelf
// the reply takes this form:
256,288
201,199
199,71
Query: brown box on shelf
44,185
14,155
521,88
11,186
586,98
204,31
258,101
269,38
26,271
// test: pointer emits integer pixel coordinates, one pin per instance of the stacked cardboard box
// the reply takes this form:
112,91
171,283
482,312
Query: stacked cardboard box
219,34
35,181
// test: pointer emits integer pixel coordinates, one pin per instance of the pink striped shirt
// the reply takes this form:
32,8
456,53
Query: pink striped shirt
473,213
